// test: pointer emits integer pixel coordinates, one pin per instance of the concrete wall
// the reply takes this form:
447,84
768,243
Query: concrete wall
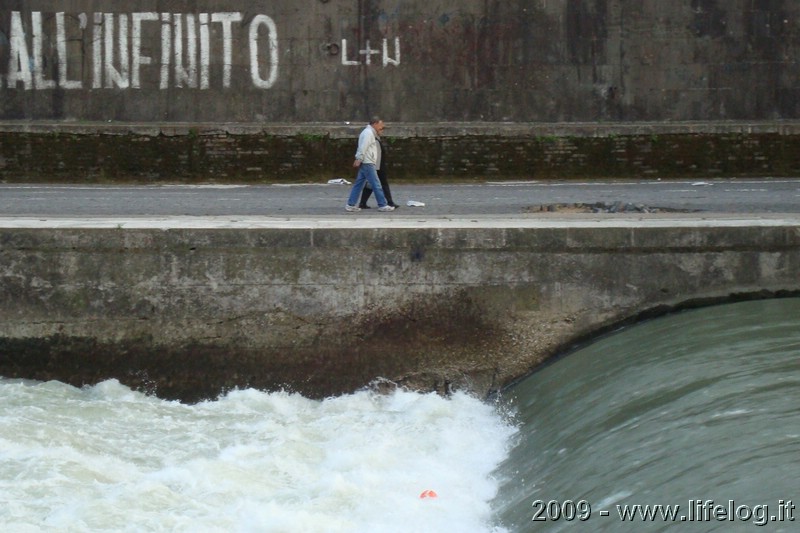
187,313
409,60
247,91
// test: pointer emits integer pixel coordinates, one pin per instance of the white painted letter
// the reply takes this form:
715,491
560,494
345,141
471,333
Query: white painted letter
19,62
166,48
205,46
61,42
137,59
227,43
188,74
97,51
386,59
346,61
121,77
272,31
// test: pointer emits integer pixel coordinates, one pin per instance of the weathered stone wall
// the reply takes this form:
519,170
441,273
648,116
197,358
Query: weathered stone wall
187,313
409,60
31,152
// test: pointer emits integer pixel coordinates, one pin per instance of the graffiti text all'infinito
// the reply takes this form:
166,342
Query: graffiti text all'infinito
117,56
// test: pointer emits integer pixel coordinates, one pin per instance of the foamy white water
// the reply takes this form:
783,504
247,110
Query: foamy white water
105,458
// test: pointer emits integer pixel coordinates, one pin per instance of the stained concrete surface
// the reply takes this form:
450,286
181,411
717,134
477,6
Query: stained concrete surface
144,285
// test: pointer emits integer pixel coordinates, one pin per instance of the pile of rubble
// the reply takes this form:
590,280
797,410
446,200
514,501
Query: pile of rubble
603,207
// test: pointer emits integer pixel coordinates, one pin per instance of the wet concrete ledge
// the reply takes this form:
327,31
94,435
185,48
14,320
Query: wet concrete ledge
189,307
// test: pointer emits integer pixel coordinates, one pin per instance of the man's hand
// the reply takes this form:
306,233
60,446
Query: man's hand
357,163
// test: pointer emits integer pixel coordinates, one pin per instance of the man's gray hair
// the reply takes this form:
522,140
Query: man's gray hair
375,119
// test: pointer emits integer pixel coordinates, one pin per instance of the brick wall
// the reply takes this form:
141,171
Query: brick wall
415,152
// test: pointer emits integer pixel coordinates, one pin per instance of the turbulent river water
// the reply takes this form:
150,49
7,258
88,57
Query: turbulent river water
698,411
692,408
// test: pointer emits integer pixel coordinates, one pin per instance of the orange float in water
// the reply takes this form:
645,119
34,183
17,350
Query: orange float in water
428,494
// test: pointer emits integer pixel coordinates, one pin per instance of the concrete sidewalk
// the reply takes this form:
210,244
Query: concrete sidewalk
503,199
545,220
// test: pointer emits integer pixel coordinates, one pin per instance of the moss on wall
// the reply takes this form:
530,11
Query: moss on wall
218,156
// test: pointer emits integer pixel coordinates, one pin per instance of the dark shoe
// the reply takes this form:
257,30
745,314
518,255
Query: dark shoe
365,206
395,206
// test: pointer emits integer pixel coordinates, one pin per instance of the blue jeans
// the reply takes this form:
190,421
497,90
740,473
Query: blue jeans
367,173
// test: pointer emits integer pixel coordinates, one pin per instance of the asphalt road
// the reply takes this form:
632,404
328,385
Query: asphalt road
453,200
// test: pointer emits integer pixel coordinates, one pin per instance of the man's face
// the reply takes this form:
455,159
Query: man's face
379,126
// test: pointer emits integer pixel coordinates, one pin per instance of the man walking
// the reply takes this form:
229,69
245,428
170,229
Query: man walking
382,176
368,159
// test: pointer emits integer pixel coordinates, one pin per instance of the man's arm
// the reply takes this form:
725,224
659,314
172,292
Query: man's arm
364,140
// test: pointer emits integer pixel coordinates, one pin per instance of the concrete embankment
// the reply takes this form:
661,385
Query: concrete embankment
189,307
411,60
